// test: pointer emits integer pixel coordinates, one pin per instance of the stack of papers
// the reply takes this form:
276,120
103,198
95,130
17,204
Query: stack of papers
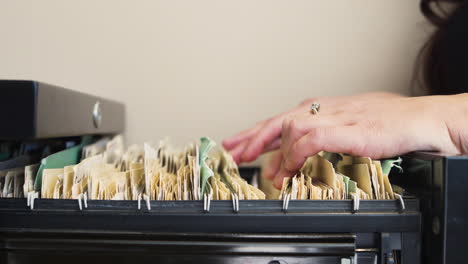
107,170
149,172
326,177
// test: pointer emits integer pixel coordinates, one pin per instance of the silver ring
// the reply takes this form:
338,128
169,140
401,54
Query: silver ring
314,108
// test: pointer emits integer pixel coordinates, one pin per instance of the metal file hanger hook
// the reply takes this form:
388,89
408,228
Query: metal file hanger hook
147,199
286,196
80,205
402,202
31,196
356,201
235,202
28,198
85,199
139,201
204,203
207,202
34,196
286,199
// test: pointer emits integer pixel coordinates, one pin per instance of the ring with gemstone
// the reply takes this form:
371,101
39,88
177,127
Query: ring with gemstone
314,108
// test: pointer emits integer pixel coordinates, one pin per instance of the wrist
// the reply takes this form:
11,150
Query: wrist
456,120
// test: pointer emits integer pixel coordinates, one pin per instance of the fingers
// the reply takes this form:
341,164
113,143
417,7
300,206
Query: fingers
273,165
273,145
307,122
302,124
341,139
233,141
237,151
274,129
282,173
265,136
271,130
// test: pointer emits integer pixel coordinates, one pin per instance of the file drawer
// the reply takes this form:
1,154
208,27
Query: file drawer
427,226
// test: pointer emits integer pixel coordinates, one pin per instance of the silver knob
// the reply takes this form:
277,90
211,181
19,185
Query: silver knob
97,114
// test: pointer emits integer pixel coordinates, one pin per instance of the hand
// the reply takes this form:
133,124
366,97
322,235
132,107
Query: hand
265,136
373,125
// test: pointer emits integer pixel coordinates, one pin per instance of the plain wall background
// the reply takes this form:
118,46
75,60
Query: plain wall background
210,67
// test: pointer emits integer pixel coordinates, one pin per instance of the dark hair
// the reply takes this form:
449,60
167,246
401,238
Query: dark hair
431,66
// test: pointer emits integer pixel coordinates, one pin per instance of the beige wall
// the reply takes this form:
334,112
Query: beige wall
210,67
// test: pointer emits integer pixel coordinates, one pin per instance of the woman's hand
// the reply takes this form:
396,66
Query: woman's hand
265,136
375,125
